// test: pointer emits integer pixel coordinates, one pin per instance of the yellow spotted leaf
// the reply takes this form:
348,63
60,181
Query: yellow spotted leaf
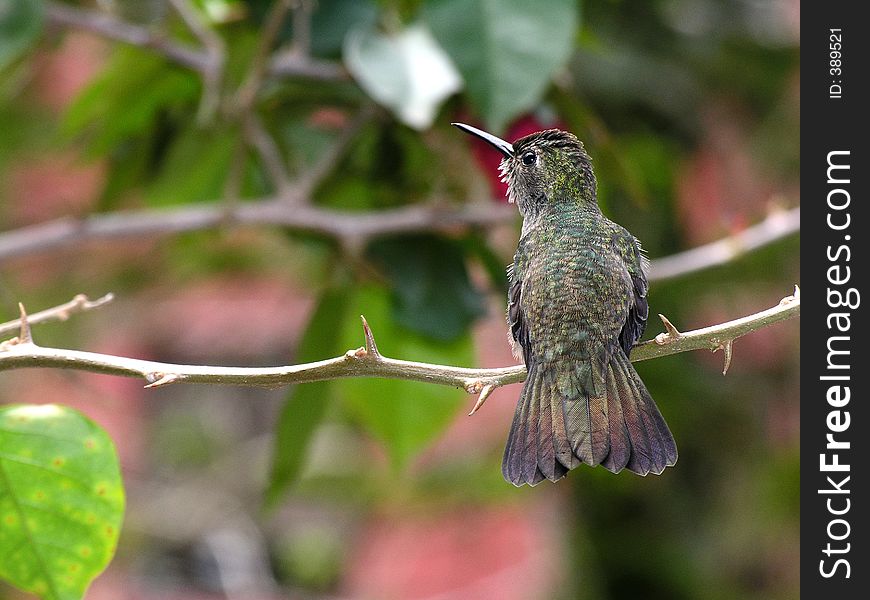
61,500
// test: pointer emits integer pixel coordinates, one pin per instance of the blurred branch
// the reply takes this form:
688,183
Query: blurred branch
262,141
216,51
275,212
295,59
354,227
366,361
289,63
283,63
776,226
109,26
302,27
80,303
327,163
248,91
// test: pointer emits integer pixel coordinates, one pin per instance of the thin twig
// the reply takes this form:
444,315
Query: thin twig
325,164
262,141
283,63
289,63
109,26
260,64
191,17
777,225
302,28
80,303
216,51
366,361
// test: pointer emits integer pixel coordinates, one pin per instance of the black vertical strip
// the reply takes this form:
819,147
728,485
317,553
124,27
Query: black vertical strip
835,124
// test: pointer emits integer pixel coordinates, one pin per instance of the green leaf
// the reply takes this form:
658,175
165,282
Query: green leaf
128,98
20,26
404,415
506,50
306,404
431,292
195,167
61,500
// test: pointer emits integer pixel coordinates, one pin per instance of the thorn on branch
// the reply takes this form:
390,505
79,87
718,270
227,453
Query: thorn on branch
24,335
484,394
793,297
62,312
727,346
160,379
371,348
672,332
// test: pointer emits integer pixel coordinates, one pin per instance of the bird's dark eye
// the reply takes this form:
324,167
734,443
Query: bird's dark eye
529,158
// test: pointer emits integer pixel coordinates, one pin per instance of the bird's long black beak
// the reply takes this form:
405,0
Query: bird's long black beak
496,142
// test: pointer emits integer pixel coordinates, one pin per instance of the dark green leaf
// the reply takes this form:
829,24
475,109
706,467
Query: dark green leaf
404,415
127,99
20,26
61,500
387,166
306,404
195,168
507,50
331,21
431,292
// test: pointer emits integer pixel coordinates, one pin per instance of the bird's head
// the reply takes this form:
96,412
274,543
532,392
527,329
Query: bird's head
543,169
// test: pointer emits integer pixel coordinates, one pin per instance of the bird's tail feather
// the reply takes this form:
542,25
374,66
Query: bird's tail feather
565,417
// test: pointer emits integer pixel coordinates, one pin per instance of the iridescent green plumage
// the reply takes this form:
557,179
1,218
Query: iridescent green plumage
577,304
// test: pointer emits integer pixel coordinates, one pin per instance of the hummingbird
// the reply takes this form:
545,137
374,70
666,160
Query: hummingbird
577,303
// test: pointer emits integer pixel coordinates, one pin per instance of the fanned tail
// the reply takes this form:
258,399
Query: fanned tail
569,414
641,441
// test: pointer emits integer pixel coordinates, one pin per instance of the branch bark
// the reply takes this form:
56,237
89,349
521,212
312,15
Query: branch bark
367,361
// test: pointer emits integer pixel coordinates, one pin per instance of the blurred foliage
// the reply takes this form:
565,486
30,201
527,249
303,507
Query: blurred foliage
306,405
20,24
690,110
404,415
507,50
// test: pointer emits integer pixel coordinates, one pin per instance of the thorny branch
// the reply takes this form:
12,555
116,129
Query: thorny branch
367,361
80,303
